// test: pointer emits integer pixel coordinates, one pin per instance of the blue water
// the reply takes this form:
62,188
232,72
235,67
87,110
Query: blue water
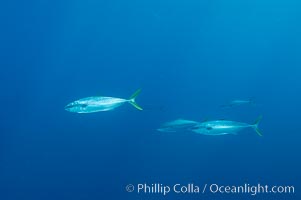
188,57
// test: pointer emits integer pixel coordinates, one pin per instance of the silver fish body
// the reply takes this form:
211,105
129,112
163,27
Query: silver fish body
220,127
224,127
95,104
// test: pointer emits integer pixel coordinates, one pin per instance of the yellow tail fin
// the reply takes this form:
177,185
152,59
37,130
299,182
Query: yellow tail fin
132,99
255,126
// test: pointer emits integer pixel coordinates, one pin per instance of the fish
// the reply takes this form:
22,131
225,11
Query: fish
101,103
178,125
225,127
238,102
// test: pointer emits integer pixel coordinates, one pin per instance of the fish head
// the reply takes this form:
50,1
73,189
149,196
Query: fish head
76,107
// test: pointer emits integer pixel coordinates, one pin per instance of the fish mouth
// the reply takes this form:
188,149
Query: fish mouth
68,107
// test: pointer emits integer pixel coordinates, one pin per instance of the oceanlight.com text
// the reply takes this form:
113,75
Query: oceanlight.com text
251,189
191,188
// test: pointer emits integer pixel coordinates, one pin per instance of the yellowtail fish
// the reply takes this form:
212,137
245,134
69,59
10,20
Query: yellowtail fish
224,127
100,103
178,125
239,102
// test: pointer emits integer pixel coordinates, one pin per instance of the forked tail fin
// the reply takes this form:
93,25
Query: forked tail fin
132,99
255,125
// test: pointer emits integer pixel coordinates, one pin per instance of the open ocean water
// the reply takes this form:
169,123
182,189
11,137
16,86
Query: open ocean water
189,58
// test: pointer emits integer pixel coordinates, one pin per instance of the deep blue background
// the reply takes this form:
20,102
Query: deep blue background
188,57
